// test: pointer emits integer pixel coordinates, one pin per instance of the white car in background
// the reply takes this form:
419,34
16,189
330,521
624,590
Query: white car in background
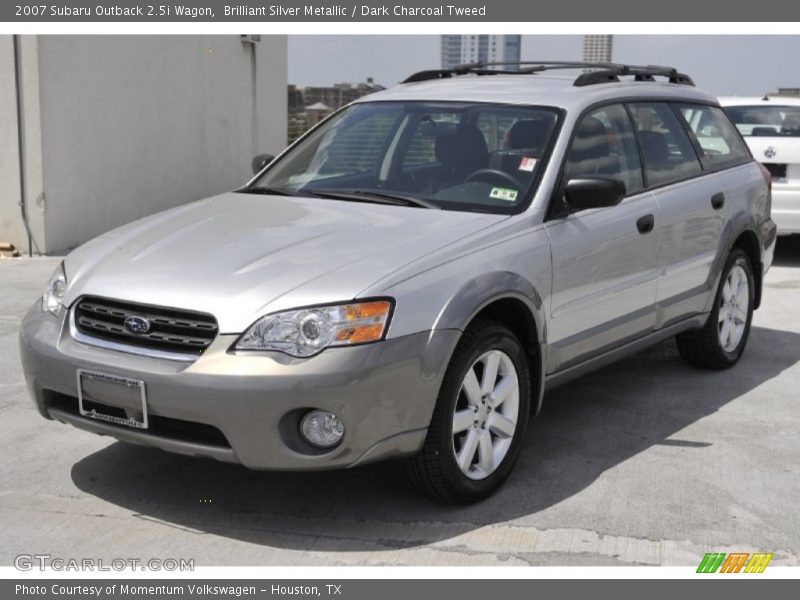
771,127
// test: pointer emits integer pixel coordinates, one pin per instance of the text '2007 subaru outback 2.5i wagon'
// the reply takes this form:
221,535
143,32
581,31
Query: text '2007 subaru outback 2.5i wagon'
409,277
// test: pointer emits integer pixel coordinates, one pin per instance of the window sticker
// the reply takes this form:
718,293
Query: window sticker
527,164
506,194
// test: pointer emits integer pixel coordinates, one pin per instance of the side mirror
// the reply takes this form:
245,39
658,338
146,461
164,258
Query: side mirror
260,161
596,191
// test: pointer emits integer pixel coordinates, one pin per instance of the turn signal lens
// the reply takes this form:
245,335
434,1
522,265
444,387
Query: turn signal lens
365,322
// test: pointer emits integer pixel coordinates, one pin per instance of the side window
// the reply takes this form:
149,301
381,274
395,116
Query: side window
604,144
716,135
667,150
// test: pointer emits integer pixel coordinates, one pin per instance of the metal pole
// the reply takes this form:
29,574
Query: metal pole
23,188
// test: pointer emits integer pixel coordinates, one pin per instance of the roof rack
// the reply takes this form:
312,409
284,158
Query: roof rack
596,72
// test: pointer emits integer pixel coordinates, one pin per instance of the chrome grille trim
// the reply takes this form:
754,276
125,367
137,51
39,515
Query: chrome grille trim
99,308
175,334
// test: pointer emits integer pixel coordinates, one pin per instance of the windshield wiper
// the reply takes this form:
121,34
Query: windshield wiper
352,195
269,190
374,196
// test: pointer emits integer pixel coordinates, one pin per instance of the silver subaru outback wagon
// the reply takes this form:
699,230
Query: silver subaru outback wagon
408,278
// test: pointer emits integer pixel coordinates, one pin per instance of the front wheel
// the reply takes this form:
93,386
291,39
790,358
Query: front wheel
720,343
480,418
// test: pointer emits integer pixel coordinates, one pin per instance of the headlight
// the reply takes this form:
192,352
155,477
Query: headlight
307,331
53,297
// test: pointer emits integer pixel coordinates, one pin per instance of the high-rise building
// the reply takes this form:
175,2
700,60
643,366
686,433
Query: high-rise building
462,49
597,48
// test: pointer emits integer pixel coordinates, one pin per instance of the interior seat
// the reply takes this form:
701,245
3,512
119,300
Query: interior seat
461,151
655,149
525,138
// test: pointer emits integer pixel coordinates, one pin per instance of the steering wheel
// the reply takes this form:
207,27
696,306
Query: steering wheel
495,177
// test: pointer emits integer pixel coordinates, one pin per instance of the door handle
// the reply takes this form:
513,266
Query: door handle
645,224
718,201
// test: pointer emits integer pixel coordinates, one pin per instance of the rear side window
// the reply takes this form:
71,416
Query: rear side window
604,144
716,135
668,152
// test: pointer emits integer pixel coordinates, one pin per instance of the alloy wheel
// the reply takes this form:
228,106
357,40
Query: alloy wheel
486,414
733,308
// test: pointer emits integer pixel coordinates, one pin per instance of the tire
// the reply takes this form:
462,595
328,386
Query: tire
435,470
706,347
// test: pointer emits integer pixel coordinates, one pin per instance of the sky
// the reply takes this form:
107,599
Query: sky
721,64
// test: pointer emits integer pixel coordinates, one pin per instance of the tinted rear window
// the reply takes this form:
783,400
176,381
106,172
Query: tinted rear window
721,145
768,121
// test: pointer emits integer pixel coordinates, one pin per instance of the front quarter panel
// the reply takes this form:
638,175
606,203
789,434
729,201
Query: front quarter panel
448,290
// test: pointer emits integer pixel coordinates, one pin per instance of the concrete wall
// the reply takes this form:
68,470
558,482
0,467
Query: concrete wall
132,125
10,222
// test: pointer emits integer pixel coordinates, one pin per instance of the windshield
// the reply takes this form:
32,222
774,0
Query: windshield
766,120
475,157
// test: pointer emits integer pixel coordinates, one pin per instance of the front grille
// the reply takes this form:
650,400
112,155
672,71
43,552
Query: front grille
170,329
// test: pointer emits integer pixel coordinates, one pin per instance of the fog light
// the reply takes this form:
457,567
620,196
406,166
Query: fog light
322,429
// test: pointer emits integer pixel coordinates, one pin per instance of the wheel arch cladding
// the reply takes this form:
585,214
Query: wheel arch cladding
747,241
511,300
740,232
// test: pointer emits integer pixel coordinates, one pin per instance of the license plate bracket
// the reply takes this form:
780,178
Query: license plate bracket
100,395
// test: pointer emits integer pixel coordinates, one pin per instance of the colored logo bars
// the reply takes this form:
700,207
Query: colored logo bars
735,562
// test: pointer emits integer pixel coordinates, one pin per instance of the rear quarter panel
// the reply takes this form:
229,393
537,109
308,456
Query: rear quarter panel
748,197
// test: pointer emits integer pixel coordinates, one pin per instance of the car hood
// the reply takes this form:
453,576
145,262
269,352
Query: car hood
240,256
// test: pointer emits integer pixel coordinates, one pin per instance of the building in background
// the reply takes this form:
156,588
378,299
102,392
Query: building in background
335,96
597,48
316,112
103,130
310,104
786,91
463,49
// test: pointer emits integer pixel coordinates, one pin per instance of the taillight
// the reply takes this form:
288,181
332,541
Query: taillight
767,175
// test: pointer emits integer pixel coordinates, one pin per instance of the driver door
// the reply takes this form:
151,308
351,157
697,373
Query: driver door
605,260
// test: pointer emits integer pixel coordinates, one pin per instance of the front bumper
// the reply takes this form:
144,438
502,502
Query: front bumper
786,208
245,408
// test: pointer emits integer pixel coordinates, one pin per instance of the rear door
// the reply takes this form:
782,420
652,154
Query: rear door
691,200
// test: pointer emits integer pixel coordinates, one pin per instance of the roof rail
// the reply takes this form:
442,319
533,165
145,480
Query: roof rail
596,72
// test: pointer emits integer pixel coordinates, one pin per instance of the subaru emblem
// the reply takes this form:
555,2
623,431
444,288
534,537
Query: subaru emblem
137,325
770,152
